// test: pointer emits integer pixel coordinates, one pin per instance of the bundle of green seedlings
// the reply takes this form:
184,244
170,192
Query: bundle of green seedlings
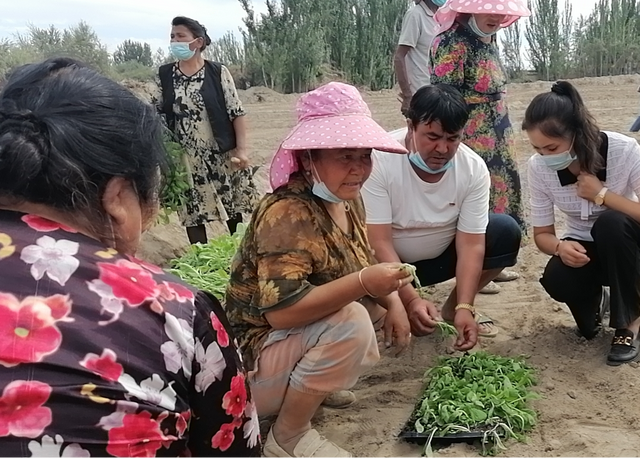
445,328
175,192
477,392
207,266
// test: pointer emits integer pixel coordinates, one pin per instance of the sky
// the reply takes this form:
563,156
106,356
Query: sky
142,20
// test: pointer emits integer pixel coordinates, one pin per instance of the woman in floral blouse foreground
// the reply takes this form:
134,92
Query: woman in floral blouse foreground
100,353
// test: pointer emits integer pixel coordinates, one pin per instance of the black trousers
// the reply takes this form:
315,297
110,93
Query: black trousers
502,244
198,234
614,261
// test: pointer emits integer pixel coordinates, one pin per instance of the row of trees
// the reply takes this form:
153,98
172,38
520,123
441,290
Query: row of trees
298,43
606,42
131,59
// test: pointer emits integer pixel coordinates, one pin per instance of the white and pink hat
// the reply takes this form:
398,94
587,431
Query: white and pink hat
512,9
333,116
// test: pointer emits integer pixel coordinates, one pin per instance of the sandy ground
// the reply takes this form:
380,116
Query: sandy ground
587,408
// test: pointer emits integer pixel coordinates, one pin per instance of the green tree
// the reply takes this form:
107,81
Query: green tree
133,51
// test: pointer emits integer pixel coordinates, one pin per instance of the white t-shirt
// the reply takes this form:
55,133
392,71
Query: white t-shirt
623,178
418,31
424,217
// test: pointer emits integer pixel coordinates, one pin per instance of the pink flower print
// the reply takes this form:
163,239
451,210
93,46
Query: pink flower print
105,365
129,282
444,68
483,83
221,332
21,409
41,224
28,331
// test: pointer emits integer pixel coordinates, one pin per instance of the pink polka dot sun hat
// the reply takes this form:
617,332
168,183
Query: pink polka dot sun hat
512,9
332,116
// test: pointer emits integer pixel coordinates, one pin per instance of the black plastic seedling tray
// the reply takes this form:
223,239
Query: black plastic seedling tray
414,437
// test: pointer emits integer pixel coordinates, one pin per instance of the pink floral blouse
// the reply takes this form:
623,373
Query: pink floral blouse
105,355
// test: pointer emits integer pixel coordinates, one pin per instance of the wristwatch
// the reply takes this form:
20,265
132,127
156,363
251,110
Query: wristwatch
599,199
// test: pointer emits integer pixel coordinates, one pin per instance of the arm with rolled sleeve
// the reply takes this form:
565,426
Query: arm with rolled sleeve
470,236
542,214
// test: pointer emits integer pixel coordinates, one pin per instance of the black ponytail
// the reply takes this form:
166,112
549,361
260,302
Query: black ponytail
561,113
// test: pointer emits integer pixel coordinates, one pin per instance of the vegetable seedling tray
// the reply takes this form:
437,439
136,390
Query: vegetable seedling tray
409,435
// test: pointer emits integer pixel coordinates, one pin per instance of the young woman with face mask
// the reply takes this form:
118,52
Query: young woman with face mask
464,55
593,177
199,101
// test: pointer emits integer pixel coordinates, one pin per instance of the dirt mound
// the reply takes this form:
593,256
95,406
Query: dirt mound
142,89
261,94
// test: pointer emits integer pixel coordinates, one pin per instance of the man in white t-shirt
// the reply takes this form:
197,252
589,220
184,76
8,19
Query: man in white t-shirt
411,58
431,209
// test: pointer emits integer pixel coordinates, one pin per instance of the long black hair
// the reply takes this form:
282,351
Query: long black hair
66,130
561,113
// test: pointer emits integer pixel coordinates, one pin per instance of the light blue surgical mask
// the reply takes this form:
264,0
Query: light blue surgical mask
473,25
320,189
416,159
180,50
439,3
560,161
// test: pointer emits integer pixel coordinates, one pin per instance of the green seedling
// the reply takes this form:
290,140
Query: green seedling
207,266
477,392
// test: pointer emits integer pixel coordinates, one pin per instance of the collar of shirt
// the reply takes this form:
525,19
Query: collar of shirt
566,177
426,9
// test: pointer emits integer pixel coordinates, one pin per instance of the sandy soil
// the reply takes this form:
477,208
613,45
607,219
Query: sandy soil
587,408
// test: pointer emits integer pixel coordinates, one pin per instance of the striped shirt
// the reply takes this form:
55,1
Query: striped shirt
621,176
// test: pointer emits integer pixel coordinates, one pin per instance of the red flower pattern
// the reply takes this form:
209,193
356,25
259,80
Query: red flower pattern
105,365
41,224
150,267
139,435
223,439
21,409
235,400
221,332
129,282
175,292
28,330
183,422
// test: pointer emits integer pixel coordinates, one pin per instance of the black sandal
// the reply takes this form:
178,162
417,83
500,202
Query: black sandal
624,348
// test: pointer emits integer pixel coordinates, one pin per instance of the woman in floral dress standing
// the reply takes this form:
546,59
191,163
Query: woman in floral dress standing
464,55
201,105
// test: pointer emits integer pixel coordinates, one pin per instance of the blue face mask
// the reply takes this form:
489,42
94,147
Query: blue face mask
439,3
558,161
180,50
320,189
417,160
473,25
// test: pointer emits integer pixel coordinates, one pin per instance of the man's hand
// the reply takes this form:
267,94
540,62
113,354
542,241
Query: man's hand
397,331
422,316
467,327
405,99
239,158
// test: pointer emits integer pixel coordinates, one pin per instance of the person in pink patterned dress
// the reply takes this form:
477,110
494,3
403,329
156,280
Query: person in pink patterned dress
101,354
464,54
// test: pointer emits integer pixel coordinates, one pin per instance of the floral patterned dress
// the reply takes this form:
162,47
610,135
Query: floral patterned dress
103,355
218,191
460,59
291,245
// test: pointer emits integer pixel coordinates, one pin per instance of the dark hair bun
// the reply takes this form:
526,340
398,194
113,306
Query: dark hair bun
562,88
23,145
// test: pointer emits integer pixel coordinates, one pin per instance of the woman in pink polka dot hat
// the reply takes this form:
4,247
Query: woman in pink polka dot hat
305,291
465,55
